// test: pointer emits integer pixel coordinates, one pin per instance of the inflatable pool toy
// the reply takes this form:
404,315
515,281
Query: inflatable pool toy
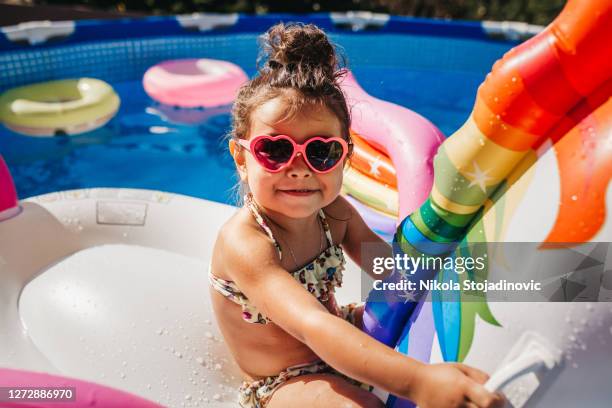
68,106
368,191
371,162
410,140
8,196
513,120
85,298
191,83
380,223
66,392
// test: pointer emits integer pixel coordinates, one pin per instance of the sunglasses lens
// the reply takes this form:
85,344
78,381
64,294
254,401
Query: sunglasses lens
272,154
324,155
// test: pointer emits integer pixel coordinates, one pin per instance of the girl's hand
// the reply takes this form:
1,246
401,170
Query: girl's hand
453,385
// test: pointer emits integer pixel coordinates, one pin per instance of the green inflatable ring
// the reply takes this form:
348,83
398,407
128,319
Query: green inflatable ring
68,106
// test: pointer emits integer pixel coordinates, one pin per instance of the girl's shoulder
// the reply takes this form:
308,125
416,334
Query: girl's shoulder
239,236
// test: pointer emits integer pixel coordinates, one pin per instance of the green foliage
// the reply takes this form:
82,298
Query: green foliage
531,11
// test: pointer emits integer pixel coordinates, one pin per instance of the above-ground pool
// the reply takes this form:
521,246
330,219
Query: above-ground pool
431,67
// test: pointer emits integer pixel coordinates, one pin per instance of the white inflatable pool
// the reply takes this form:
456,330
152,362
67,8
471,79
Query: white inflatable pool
110,286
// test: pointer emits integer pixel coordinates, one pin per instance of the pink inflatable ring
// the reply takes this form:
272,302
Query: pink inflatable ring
192,83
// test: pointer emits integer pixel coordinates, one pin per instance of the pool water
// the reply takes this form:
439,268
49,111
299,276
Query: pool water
153,146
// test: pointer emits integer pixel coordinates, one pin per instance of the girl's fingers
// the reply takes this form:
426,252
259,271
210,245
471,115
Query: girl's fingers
475,374
479,395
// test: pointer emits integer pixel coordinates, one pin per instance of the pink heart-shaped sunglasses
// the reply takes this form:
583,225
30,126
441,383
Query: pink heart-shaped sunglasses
273,153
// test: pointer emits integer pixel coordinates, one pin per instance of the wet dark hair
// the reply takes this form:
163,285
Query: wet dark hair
299,63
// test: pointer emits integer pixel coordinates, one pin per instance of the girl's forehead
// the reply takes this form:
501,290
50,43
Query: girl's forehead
274,116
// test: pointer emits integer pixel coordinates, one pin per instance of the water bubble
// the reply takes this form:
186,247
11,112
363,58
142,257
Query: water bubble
178,354
122,375
188,397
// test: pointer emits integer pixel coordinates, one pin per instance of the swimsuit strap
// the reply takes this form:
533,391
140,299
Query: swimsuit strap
252,206
326,228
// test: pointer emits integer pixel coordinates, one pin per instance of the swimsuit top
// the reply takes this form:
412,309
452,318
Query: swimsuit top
320,276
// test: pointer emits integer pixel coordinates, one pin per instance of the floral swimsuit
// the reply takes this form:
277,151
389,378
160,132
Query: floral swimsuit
320,277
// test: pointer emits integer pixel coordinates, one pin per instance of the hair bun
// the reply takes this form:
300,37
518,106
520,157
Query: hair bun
299,47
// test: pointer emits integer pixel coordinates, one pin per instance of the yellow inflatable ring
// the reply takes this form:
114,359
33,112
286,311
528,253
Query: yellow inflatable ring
68,106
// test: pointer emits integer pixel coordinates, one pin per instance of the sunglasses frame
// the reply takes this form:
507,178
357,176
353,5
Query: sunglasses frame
298,148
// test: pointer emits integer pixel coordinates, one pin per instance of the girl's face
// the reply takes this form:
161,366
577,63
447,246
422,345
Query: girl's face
276,191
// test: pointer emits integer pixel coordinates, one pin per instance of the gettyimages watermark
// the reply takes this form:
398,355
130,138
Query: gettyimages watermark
491,271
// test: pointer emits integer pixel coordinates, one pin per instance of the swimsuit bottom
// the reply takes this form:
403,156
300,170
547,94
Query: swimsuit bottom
256,394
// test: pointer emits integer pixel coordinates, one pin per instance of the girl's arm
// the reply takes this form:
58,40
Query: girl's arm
357,234
256,270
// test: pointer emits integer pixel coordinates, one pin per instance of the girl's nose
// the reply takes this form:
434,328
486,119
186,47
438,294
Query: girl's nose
299,168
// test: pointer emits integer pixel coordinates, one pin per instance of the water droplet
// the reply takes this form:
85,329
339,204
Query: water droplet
125,234
218,366
513,79
124,363
216,397
148,386
589,307
188,397
200,361
208,335
574,197
178,354
122,375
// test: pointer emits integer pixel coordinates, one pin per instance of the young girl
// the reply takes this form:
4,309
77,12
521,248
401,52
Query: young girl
277,261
